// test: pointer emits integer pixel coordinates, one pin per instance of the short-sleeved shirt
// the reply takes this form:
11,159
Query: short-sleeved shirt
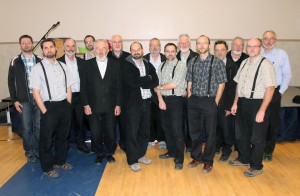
56,80
165,76
246,74
198,74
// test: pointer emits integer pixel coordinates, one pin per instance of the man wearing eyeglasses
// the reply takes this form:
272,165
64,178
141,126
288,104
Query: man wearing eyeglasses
282,66
89,44
256,83
20,89
119,55
206,77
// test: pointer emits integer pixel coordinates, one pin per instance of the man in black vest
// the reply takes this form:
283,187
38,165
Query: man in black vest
156,131
101,96
185,54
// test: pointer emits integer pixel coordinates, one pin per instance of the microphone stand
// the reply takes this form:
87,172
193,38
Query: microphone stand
46,34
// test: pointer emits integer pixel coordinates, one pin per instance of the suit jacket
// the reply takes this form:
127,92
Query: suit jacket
132,82
192,54
102,94
80,63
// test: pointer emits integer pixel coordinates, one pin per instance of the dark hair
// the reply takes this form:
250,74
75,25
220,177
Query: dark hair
89,36
170,44
221,42
136,43
25,36
47,40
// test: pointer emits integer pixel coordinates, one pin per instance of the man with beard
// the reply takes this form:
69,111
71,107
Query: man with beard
206,78
76,66
51,86
185,54
101,91
20,90
236,54
119,55
139,79
171,92
281,63
156,131
256,82
89,44
225,118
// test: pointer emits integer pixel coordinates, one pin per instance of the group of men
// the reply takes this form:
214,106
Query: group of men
185,98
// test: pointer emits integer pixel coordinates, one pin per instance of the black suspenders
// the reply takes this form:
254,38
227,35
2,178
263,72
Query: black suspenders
255,78
209,73
46,78
173,72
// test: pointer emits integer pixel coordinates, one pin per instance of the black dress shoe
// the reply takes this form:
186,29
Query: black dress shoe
178,165
83,148
98,160
165,156
111,159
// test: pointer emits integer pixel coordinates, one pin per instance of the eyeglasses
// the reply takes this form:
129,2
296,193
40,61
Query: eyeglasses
202,43
89,42
253,47
269,39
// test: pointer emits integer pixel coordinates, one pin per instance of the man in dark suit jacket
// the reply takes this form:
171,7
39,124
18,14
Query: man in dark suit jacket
119,55
185,54
139,79
101,97
156,130
77,67
225,136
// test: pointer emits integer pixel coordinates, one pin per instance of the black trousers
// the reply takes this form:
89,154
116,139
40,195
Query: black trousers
250,135
77,118
137,131
172,123
185,125
274,122
103,133
204,108
225,132
121,120
156,130
55,126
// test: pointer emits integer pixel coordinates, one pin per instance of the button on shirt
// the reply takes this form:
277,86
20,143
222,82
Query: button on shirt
198,74
102,65
156,63
146,93
245,77
73,67
56,79
165,76
282,67
29,63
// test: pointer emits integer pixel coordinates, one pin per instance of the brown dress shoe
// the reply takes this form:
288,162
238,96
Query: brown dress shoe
194,163
207,168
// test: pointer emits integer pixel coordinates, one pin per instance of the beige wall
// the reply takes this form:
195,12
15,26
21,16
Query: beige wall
142,20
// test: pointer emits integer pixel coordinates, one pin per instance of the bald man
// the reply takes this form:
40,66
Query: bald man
256,82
